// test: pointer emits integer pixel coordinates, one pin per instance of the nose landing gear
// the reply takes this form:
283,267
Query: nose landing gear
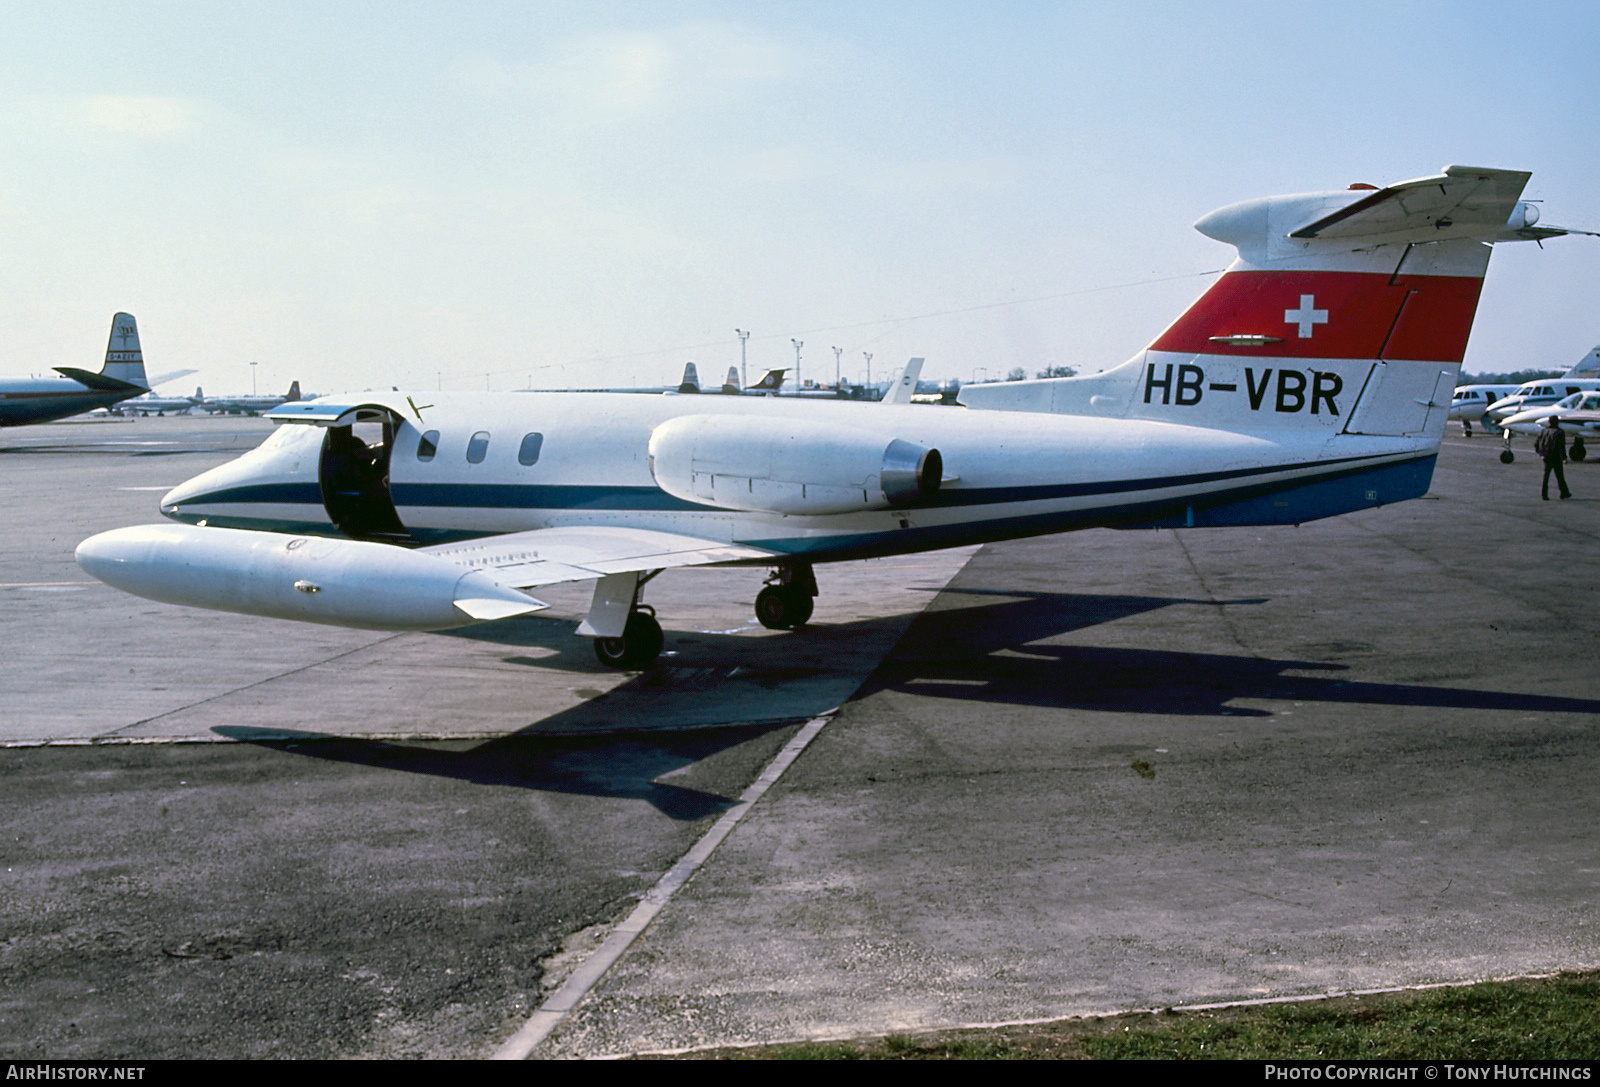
789,597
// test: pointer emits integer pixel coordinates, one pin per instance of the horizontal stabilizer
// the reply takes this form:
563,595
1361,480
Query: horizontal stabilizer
100,382
170,375
1464,200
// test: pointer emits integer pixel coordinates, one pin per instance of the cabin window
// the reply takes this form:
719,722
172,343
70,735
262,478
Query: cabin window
428,446
478,447
528,455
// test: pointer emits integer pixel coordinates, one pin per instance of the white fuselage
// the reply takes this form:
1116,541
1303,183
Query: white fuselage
1004,473
1538,394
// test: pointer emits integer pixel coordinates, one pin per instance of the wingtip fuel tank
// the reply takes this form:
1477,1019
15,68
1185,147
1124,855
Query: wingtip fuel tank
349,583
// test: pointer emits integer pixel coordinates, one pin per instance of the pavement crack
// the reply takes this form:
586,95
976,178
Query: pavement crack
248,686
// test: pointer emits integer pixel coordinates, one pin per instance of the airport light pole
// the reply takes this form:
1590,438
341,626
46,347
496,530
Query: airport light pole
744,370
797,346
838,378
252,379
869,368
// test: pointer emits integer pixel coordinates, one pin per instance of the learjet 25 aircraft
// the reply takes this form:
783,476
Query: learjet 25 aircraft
1312,379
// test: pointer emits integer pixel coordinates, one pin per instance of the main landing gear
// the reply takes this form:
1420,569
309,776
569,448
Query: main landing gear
789,597
784,604
639,644
626,633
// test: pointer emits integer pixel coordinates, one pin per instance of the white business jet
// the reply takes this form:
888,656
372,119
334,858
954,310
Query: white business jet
1312,379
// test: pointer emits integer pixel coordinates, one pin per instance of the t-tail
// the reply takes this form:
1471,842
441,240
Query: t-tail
1345,313
123,369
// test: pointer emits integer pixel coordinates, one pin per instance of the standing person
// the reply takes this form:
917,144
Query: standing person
1551,444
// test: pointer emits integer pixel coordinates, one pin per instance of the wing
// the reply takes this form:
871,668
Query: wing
546,556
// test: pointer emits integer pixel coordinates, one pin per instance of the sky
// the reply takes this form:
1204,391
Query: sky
554,194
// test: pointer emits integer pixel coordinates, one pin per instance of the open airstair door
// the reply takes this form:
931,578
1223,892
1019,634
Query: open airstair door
354,474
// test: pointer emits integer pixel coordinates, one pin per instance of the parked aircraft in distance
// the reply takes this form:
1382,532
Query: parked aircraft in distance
1468,403
1311,379
690,385
152,404
249,405
1579,414
41,399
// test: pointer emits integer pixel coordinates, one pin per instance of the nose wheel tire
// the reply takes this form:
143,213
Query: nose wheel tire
1507,456
1578,451
638,647
783,607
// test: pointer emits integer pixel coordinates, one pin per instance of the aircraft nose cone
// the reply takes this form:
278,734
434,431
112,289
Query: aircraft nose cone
184,493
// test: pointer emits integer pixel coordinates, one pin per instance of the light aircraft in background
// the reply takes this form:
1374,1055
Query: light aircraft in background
41,399
1311,379
1579,414
249,405
1583,376
1468,402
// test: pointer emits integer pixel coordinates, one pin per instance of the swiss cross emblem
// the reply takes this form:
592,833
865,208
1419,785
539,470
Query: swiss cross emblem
1307,316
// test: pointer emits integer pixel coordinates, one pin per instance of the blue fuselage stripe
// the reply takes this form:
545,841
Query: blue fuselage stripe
609,497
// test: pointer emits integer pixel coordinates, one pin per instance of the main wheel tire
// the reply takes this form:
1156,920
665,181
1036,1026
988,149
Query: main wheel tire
1579,450
772,608
638,647
1507,456
783,607
801,605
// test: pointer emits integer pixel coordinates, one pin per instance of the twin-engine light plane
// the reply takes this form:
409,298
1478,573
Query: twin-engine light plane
1312,379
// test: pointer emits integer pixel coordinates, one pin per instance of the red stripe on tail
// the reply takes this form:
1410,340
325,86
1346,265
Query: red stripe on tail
1330,315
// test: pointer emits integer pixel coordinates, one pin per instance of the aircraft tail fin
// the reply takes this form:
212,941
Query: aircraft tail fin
691,379
730,386
124,360
1346,312
294,393
123,370
770,382
905,385
1588,366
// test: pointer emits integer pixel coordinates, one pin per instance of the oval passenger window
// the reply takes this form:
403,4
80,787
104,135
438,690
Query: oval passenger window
478,447
428,446
529,453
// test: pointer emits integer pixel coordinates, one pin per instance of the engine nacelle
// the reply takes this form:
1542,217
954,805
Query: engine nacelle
768,465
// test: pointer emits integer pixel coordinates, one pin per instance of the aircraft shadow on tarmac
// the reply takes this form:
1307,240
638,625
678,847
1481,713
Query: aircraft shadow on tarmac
624,767
988,654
